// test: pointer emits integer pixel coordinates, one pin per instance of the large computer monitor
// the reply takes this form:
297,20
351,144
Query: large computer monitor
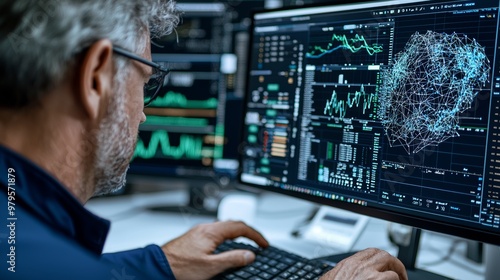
386,108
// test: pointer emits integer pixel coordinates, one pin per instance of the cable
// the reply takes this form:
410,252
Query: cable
447,256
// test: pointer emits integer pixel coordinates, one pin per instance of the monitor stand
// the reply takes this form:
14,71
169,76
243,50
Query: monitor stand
408,256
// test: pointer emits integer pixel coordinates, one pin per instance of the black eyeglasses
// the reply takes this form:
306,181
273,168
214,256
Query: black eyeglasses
157,80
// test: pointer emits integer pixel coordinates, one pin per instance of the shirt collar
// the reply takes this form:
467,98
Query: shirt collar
47,199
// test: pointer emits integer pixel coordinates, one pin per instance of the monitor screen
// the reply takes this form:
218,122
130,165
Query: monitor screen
386,108
181,128
189,128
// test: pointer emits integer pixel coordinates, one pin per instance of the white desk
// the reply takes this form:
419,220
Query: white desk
277,216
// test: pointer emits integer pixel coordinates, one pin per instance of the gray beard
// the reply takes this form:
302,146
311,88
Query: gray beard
115,146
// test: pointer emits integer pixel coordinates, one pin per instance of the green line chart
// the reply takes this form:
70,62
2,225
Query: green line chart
175,121
353,45
174,99
190,147
357,46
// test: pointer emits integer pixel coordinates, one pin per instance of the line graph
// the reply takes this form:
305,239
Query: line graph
353,45
176,121
160,145
337,107
178,100
358,46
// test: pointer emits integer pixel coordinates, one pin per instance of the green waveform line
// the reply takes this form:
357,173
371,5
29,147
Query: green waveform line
175,121
190,147
352,44
338,107
178,100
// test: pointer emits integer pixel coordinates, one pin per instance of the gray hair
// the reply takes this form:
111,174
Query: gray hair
40,39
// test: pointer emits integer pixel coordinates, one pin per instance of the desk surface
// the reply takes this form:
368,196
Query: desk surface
133,226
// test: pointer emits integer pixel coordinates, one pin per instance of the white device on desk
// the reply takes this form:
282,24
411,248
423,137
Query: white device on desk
335,227
241,207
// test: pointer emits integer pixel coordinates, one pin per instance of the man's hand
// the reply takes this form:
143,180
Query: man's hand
368,264
190,255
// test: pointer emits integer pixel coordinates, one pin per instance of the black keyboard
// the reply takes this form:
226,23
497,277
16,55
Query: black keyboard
273,263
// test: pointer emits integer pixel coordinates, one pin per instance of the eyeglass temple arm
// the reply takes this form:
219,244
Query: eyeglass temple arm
133,56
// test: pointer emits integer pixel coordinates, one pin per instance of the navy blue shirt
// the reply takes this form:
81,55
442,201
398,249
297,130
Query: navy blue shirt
45,233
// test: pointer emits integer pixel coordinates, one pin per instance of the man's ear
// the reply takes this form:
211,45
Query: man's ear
96,77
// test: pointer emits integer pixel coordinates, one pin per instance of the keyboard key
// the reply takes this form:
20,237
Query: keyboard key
308,267
273,271
252,270
265,267
272,263
271,255
299,265
265,275
262,259
243,274
277,256
310,276
301,272
285,274
281,266
318,270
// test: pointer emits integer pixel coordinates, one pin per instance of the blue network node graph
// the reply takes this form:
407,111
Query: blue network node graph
426,87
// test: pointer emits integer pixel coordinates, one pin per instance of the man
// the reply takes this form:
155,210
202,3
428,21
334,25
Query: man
72,76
